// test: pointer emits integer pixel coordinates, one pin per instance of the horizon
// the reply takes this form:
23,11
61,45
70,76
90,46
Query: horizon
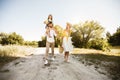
26,17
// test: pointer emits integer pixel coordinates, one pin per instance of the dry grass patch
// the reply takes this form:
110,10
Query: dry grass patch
11,52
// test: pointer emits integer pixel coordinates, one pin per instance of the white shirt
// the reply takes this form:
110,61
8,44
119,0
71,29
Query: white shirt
52,34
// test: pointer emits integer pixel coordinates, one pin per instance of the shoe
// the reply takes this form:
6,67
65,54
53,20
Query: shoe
52,59
46,62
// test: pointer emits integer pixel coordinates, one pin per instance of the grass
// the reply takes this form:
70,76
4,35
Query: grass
115,51
106,61
11,52
5,60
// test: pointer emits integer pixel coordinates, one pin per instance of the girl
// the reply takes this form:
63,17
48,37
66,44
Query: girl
49,20
66,42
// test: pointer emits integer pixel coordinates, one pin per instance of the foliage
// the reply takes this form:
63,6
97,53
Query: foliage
58,39
85,32
31,43
43,42
76,39
115,38
100,44
11,38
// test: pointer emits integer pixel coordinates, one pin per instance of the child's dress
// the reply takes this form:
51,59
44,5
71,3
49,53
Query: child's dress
67,43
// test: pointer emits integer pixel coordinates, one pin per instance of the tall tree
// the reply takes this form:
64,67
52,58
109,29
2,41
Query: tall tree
87,31
59,31
115,38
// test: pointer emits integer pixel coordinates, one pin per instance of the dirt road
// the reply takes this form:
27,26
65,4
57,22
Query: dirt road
32,68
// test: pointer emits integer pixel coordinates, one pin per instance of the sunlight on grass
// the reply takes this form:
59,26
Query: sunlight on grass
113,51
86,51
14,50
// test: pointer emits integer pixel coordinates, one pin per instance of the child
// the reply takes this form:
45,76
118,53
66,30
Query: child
49,20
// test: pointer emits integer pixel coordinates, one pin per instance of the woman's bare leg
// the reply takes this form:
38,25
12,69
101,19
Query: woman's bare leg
67,56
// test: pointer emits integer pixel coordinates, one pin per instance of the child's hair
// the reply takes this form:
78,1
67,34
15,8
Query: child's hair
49,16
49,21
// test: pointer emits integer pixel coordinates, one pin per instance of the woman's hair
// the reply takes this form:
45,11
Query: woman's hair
68,25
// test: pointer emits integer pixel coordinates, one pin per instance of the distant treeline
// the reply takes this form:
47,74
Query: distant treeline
15,39
84,35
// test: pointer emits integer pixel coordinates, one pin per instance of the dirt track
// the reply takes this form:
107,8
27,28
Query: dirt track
32,68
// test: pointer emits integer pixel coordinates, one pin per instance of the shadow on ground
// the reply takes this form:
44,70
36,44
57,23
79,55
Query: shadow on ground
110,64
5,60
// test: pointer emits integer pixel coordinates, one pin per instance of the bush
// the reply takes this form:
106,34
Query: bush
43,42
100,44
12,38
31,43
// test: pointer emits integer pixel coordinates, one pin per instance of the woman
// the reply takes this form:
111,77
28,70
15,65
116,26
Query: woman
66,42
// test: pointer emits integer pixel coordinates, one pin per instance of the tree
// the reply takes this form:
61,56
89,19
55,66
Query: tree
59,31
43,42
4,38
12,38
87,31
115,38
108,35
76,39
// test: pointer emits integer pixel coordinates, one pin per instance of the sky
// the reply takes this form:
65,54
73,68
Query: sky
26,17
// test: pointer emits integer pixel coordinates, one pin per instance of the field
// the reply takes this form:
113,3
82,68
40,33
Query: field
107,63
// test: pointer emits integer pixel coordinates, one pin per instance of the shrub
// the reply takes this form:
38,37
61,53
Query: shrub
100,44
12,38
31,43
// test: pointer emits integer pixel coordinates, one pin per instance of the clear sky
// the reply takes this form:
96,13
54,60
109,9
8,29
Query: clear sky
25,17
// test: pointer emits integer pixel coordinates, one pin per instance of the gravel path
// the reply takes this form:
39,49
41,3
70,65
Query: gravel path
32,68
